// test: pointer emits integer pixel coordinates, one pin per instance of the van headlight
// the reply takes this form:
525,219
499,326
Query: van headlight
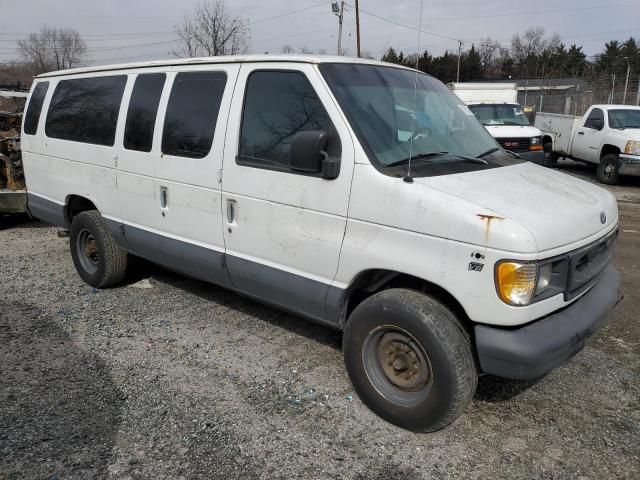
536,140
632,147
521,283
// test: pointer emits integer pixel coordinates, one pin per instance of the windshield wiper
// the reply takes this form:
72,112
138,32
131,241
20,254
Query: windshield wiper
419,156
488,152
437,154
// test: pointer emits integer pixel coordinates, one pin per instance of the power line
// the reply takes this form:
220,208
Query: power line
292,12
536,12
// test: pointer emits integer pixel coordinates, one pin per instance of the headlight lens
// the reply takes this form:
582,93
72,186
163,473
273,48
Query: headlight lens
516,282
632,147
536,140
544,277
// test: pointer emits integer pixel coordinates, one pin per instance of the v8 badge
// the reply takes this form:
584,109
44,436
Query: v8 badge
475,266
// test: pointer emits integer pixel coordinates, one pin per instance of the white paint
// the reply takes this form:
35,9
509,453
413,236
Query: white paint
570,137
326,230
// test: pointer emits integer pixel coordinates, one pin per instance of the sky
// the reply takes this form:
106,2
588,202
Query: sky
135,30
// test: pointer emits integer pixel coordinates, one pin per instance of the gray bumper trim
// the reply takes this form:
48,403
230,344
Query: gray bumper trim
535,156
629,165
47,210
535,349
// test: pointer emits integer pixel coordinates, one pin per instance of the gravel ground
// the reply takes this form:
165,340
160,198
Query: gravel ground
166,377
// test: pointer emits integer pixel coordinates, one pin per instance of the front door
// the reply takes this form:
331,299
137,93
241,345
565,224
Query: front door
588,138
283,229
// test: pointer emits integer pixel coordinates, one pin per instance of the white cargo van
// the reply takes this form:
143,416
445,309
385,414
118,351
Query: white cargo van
496,106
358,194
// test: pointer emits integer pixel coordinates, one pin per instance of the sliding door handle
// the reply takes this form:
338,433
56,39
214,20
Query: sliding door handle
231,210
164,197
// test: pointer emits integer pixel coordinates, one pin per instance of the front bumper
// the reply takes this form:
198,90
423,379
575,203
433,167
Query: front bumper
535,156
531,351
629,165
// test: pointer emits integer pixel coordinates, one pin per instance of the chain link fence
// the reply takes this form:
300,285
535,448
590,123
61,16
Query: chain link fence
573,96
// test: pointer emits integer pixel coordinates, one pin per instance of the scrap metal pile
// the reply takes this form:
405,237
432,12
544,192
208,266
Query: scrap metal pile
11,171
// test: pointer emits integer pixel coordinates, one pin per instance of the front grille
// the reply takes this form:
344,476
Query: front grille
586,263
514,144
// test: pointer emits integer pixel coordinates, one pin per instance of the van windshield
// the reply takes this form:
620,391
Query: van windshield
379,104
500,114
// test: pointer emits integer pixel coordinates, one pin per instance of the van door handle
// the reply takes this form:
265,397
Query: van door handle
580,133
164,197
231,210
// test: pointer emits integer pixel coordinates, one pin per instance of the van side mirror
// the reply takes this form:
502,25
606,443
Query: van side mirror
308,154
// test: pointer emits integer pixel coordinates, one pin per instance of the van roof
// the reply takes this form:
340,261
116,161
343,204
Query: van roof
221,59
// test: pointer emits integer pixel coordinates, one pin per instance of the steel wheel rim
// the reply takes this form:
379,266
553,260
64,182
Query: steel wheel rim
397,366
87,250
609,169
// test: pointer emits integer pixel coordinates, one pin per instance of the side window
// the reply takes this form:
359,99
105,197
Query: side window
190,121
277,105
86,109
32,116
595,119
142,111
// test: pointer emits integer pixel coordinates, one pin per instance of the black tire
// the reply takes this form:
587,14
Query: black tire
608,169
550,157
374,342
97,257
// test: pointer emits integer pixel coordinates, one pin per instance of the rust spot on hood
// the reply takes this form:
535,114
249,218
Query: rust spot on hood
487,219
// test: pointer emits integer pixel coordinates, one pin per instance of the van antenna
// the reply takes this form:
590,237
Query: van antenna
408,178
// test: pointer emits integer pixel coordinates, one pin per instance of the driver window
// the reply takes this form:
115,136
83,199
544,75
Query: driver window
595,119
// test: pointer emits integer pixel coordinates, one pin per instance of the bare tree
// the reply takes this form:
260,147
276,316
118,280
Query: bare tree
211,31
304,50
288,49
529,44
53,49
488,49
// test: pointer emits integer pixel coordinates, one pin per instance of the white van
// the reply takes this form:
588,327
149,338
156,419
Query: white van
328,187
496,106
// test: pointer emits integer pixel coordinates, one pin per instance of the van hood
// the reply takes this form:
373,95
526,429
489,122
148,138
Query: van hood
513,131
557,209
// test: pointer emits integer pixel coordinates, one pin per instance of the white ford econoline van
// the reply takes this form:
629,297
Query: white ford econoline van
354,193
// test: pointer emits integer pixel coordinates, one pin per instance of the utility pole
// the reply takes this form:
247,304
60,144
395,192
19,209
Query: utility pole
358,29
459,53
338,10
638,93
613,88
626,82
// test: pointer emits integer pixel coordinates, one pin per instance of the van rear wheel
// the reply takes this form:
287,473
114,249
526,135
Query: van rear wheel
410,360
99,260
608,169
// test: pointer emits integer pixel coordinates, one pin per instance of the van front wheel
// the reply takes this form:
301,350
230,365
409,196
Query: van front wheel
409,359
97,257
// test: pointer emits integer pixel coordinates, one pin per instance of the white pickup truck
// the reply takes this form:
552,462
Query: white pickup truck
607,135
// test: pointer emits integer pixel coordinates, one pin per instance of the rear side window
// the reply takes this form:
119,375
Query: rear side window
143,108
192,112
32,116
277,105
86,109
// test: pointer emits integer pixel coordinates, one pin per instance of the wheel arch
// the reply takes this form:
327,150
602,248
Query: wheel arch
607,149
546,138
75,204
372,281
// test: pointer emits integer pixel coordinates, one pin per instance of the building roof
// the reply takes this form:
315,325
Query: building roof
221,59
